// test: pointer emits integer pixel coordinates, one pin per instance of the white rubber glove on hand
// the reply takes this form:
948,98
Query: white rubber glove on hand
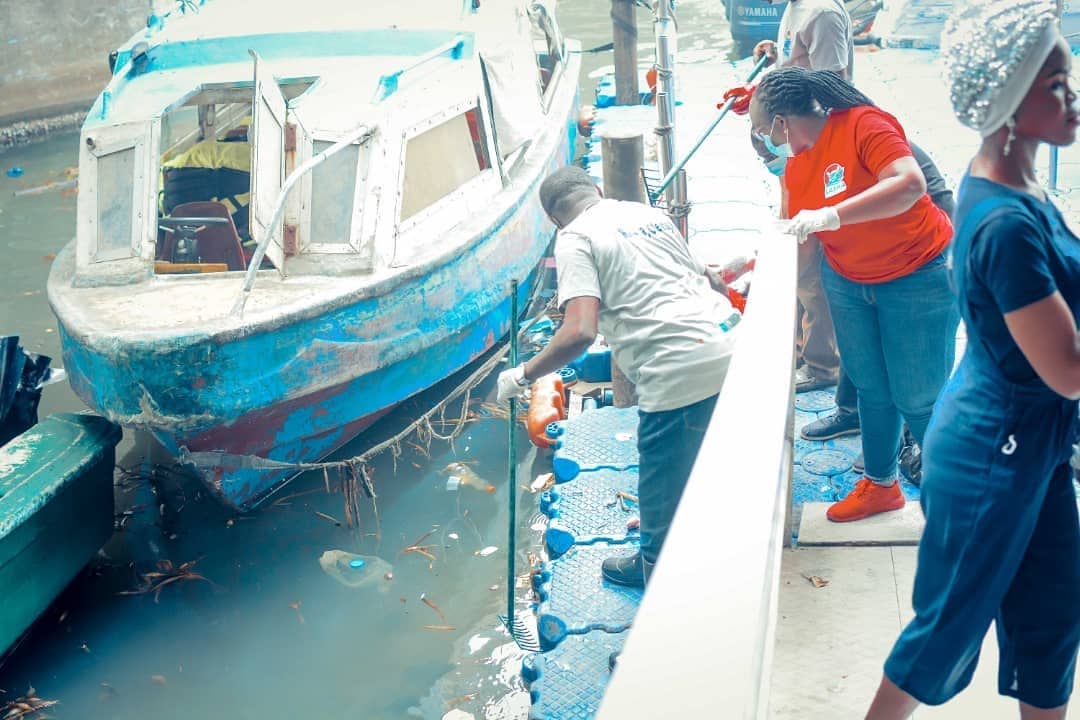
808,222
512,382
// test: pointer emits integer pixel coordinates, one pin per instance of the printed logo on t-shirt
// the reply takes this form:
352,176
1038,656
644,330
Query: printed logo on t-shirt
786,52
834,180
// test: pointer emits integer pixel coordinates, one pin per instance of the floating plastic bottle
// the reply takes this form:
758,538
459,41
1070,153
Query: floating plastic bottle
357,571
459,475
546,405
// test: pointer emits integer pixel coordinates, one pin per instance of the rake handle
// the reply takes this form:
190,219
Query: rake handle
511,543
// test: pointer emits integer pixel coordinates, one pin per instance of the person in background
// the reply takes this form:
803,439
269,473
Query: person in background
852,181
1002,536
624,269
815,35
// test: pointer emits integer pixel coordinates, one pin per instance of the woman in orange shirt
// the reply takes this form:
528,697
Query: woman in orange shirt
853,182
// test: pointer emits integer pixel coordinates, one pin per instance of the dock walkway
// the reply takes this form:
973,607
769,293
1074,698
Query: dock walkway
831,640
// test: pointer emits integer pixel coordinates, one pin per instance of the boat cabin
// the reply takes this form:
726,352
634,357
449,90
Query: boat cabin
186,153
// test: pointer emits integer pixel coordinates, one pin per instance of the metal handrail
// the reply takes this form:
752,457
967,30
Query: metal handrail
360,133
713,593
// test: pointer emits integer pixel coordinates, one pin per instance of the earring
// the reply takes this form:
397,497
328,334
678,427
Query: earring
1011,124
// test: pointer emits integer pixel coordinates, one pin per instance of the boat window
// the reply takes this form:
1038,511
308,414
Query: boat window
333,188
115,204
441,159
205,173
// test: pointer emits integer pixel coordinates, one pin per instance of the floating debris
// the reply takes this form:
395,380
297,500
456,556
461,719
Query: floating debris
424,599
25,706
299,615
356,571
166,574
423,550
543,482
460,474
453,536
328,518
442,628
159,679
85,648
484,552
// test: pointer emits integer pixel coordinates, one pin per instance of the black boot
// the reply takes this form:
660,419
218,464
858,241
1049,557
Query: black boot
628,570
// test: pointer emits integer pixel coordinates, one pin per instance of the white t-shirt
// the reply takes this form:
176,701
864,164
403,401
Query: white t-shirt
816,35
657,309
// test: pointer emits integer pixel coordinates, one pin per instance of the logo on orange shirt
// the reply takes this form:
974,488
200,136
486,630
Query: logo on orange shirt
834,180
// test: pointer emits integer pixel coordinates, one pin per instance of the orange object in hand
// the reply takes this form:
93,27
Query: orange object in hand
546,405
742,95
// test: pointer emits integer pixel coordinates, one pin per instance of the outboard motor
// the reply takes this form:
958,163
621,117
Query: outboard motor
22,376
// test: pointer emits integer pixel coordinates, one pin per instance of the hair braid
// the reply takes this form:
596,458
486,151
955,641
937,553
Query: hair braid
797,91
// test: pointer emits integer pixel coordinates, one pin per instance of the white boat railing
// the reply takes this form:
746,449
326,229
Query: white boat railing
355,135
702,642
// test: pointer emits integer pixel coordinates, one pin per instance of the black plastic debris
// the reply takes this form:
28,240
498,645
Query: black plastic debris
22,376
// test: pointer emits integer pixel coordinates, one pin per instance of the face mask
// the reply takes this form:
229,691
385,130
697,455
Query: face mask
776,165
784,150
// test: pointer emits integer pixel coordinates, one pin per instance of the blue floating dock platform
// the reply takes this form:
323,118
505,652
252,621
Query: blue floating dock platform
605,438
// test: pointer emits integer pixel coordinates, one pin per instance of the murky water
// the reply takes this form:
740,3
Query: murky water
269,633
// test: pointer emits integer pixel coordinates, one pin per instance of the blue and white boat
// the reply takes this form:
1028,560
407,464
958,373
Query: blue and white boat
413,136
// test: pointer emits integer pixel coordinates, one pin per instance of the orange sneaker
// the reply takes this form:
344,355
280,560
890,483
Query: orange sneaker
868,498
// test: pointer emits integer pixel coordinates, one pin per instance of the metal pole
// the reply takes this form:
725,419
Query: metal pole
624,33
675,193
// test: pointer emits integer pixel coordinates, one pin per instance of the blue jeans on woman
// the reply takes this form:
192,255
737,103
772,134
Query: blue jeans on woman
898,341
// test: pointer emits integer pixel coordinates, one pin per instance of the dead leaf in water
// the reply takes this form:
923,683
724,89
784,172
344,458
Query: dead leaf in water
816,580
159,679
48,257
442,628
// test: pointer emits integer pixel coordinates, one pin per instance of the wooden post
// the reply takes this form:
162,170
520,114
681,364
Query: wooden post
624,32
624,156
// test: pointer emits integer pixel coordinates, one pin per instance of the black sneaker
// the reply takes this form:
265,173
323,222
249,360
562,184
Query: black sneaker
911,460
831,426
628,570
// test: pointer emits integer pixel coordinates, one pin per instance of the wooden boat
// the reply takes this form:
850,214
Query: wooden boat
56,511
413,136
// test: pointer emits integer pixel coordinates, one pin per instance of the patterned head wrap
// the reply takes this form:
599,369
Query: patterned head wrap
993,50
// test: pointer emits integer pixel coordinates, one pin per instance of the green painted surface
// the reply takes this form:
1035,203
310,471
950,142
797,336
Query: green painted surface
56,510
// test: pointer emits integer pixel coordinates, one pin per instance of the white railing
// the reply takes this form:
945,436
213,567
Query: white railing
702,641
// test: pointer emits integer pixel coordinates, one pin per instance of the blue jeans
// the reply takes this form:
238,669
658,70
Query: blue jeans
668,444
897,340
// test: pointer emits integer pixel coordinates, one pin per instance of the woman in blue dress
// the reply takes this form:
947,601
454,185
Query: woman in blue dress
1002,541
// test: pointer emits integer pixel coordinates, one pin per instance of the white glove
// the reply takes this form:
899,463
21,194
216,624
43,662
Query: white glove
808,222
512,382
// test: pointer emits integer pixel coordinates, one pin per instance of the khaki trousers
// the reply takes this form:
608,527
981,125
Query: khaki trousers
815,339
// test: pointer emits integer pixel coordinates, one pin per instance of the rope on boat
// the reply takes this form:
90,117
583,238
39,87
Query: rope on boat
354,475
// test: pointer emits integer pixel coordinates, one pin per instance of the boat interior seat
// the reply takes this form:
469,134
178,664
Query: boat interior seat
217,243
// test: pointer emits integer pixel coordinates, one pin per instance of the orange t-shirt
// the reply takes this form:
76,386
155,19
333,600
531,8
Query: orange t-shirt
854,147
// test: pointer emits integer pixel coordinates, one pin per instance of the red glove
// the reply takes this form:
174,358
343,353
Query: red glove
737,300
742,95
